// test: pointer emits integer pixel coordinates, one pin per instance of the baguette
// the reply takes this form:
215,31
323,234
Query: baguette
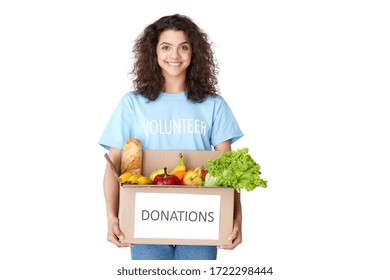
132,157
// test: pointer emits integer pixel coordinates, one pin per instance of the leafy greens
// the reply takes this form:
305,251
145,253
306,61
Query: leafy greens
236,169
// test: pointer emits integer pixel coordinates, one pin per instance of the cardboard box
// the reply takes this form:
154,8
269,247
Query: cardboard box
150,214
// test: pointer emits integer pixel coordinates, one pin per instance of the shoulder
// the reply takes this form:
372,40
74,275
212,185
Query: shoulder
216,101
132,97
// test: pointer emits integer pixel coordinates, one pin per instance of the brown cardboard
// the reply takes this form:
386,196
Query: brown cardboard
153,159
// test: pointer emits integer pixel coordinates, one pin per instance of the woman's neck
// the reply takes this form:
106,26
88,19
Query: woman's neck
174,86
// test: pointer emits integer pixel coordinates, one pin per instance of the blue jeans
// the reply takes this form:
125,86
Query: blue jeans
173,252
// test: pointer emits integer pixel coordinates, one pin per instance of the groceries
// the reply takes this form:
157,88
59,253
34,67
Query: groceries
155,173
202,172
180,169
235,169
191,178
132,157
166,179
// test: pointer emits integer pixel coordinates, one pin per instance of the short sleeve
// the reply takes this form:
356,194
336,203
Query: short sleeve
225,126
120,125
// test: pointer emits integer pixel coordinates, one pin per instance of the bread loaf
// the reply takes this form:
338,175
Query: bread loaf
132,157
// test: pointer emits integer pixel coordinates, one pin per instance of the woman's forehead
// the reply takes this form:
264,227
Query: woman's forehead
173,36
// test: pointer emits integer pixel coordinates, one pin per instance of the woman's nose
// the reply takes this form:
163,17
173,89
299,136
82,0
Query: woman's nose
174,53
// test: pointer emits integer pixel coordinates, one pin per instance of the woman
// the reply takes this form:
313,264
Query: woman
175,106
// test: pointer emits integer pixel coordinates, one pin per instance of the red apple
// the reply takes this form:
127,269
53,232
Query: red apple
202,172
191,178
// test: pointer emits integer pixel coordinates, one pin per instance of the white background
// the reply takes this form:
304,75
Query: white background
308,82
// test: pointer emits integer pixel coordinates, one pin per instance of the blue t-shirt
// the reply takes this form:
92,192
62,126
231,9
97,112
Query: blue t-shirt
171,122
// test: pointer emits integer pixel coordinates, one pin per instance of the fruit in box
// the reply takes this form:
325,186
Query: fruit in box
155,173
166,179
143,180
191,178
124,178
202,172
180,169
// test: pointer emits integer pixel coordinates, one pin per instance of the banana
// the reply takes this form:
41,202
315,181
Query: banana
180,169
143,180
133,179
125,177
128,178
155,173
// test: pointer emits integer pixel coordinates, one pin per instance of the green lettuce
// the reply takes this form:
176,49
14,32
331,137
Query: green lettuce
235,169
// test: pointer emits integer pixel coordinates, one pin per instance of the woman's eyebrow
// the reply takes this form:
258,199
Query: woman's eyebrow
166,43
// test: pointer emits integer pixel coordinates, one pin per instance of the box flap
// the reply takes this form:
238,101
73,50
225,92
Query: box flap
116,172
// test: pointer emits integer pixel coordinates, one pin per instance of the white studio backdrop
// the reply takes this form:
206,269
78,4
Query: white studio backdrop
307,80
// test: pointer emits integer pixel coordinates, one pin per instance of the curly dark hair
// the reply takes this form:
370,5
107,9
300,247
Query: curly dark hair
201,79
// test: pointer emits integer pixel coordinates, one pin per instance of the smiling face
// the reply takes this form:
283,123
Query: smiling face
173,55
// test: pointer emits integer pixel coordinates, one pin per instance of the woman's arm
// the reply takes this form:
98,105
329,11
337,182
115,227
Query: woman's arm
236,235
111,195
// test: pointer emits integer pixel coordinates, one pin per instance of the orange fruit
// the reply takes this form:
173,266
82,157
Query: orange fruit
179,174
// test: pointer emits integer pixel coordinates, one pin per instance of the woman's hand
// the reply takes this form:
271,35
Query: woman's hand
235,236
114,234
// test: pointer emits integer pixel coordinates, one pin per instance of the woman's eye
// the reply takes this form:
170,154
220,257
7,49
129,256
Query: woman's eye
184,48
165,47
